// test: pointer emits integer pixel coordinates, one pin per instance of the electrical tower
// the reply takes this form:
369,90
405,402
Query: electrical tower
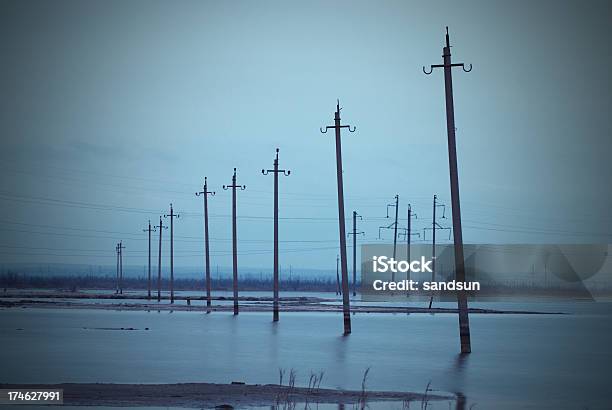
355,233
234,238
172,215
276,171
204,193
161,227
149,230
462,304
346,309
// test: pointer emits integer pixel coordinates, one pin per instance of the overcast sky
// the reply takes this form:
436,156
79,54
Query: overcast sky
111,110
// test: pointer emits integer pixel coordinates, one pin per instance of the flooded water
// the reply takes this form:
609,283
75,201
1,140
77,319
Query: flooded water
527,361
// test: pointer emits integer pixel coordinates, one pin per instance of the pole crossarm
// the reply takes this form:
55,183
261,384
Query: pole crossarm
337,126
447,50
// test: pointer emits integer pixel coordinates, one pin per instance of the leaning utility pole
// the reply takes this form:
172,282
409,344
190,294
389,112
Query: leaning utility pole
149,230
434,226
355,233
345,285
205,192
121,248
276,171
161,228
462,304
234,238
172,215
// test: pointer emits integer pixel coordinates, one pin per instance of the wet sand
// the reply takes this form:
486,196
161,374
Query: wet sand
211,395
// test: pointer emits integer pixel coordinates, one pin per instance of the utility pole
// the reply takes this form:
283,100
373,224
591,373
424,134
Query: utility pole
396,205
408,232
346,309
355,233
276,171
462,304
149,230
159,255
121,248
234,238
435,226
205,192
338,291
172,215
117,252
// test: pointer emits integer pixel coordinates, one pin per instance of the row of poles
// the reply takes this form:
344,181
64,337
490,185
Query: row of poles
342,265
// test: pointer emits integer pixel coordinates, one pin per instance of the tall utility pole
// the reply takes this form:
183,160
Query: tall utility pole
205,192
346,309
355,233
408,232
276,171
117,251
172,215
161,227
396,205
234,238
121,248
338,291
149,230
462,304
434,227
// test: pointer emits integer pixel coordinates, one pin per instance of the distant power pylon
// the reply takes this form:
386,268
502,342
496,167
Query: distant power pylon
346,309
161,227
171,215
355,233
149,230
234,238
276,171
434,227
205,192
121,248
462,304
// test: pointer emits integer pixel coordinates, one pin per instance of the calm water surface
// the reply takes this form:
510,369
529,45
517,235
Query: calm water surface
518,361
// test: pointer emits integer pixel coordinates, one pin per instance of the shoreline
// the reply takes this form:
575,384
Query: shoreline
214,395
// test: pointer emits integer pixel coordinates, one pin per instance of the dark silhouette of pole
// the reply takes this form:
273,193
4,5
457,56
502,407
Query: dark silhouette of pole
434,227
338,291
117,252
234,238
408,232
205,192
355,233
159,258
172,215
462,304
276,171
121,248
346,309
149,230
396,205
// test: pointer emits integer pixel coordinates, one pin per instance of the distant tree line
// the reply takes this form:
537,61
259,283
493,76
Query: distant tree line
11,279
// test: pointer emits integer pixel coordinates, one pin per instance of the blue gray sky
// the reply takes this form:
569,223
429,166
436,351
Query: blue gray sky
112,110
